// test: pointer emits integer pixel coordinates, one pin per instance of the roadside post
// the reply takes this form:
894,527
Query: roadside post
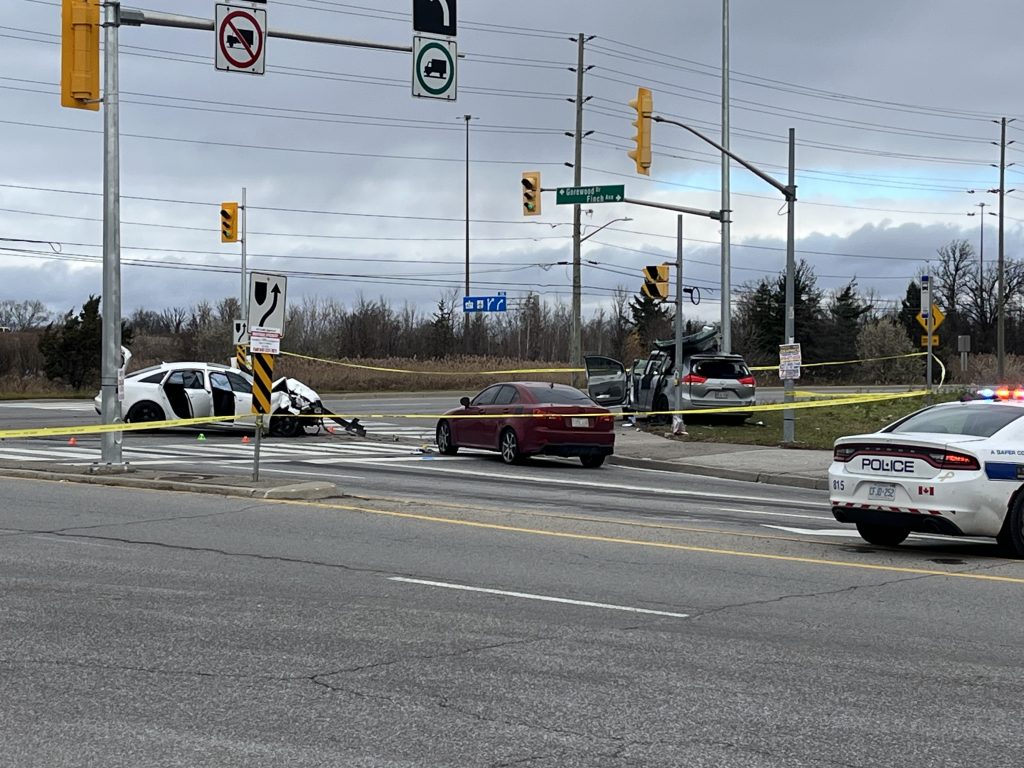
267,299
678,425
963,346
926,312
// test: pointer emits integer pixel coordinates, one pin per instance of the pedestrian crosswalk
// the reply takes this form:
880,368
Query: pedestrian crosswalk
151,452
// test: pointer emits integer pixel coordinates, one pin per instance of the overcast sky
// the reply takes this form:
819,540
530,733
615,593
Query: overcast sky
357,188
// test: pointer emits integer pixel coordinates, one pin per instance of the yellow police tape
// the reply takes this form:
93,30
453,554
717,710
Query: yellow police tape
146,425
433,373
843,362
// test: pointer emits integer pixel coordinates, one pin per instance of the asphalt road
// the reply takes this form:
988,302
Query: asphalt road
457,612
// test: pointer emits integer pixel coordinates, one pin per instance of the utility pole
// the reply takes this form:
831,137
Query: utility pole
726,304
465,326
110,404
788,416
678,425
1001,321
245,239
575,341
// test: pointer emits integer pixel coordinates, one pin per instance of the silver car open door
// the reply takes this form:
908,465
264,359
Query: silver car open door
606,380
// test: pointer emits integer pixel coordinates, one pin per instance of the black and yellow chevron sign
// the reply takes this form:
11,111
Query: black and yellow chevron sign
262,381
240,357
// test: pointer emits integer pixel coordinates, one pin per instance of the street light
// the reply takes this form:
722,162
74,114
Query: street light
608,224
467,118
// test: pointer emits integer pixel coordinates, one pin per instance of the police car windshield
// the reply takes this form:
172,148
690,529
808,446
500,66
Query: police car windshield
975,419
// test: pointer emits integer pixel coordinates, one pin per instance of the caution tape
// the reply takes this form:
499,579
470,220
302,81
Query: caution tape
148,425
433,373
843,362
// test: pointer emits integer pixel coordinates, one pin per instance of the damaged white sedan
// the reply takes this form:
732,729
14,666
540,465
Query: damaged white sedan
193,390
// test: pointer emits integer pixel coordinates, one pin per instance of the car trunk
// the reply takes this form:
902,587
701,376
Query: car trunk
714,382
919,456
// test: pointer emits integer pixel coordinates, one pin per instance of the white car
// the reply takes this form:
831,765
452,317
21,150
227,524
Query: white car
955,468
194,390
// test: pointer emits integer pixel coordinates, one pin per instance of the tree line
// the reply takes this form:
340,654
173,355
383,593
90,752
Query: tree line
841,324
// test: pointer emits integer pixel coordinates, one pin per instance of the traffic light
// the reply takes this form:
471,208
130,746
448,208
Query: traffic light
656,282
644,106
80,54
229,222
531,193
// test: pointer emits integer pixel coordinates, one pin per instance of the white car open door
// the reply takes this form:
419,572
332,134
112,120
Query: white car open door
606,380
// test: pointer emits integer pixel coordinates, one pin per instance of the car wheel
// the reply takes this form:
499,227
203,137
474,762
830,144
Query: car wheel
144,411
508,444
1011,537
285,425
882,535
445,445
592,460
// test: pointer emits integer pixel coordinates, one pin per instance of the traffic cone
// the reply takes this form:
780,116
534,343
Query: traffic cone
245,440
72,441
201,436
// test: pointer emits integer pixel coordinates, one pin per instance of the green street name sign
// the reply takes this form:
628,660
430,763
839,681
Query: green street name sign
587,195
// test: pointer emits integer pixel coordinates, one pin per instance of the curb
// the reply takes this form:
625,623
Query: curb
794,481
300,491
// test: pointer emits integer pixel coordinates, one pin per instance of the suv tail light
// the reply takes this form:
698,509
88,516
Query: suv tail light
693,379
747,381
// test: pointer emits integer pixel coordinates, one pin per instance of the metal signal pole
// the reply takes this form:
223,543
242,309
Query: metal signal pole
576,341
726,305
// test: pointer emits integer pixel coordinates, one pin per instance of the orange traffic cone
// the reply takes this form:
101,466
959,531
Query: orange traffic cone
245,440
72,441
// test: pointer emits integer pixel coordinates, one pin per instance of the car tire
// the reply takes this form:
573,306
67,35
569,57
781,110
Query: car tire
1011,537
285,425
443,436
882,535
592,460
508,446
145,410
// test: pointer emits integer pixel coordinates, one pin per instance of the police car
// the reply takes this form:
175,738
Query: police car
955,468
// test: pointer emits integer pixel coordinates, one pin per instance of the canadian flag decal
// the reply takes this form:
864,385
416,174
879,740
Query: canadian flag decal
925,490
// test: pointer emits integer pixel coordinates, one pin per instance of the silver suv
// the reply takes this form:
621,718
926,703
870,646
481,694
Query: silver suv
708,380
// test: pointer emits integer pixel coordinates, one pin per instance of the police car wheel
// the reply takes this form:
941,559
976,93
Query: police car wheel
882,535
1011,537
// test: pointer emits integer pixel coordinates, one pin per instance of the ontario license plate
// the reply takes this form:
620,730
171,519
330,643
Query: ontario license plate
882,492
580,422
722,395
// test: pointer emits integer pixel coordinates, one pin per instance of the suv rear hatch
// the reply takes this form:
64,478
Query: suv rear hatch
716,381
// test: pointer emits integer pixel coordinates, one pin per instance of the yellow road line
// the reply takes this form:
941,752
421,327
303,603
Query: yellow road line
655,544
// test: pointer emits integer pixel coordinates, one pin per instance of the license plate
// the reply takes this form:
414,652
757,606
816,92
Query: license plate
882,492
580,422
722,395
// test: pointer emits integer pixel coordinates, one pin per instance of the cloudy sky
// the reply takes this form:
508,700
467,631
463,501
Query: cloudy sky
355,188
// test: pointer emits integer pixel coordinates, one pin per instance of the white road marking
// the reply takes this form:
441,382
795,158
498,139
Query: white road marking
772,514
565,481
851,533
543,598
50,406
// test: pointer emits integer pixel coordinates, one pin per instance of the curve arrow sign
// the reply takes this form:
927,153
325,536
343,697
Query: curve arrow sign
276,291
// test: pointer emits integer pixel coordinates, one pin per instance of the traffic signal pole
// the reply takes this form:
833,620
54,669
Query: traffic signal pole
110,356
576,337
678,425
245,239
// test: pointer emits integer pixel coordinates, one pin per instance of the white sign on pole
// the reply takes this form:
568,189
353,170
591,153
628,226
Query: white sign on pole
265,341
433,67
266,301
240,39
790,359
926,296
241,333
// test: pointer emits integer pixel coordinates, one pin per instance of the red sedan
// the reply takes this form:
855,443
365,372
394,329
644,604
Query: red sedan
528,418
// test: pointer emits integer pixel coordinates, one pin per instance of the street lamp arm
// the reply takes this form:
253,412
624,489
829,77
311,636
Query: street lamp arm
787,192
607,224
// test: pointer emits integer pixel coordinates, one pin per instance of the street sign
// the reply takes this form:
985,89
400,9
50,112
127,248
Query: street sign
240,39
935,340
265,341
926,294
433,68
266,301
240,335
435,17
937,318
484,304
790,358
586,195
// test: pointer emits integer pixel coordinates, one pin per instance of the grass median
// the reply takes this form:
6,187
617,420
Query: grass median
816,428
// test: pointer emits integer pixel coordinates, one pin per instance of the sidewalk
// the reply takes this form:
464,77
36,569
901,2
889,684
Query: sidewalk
751,463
